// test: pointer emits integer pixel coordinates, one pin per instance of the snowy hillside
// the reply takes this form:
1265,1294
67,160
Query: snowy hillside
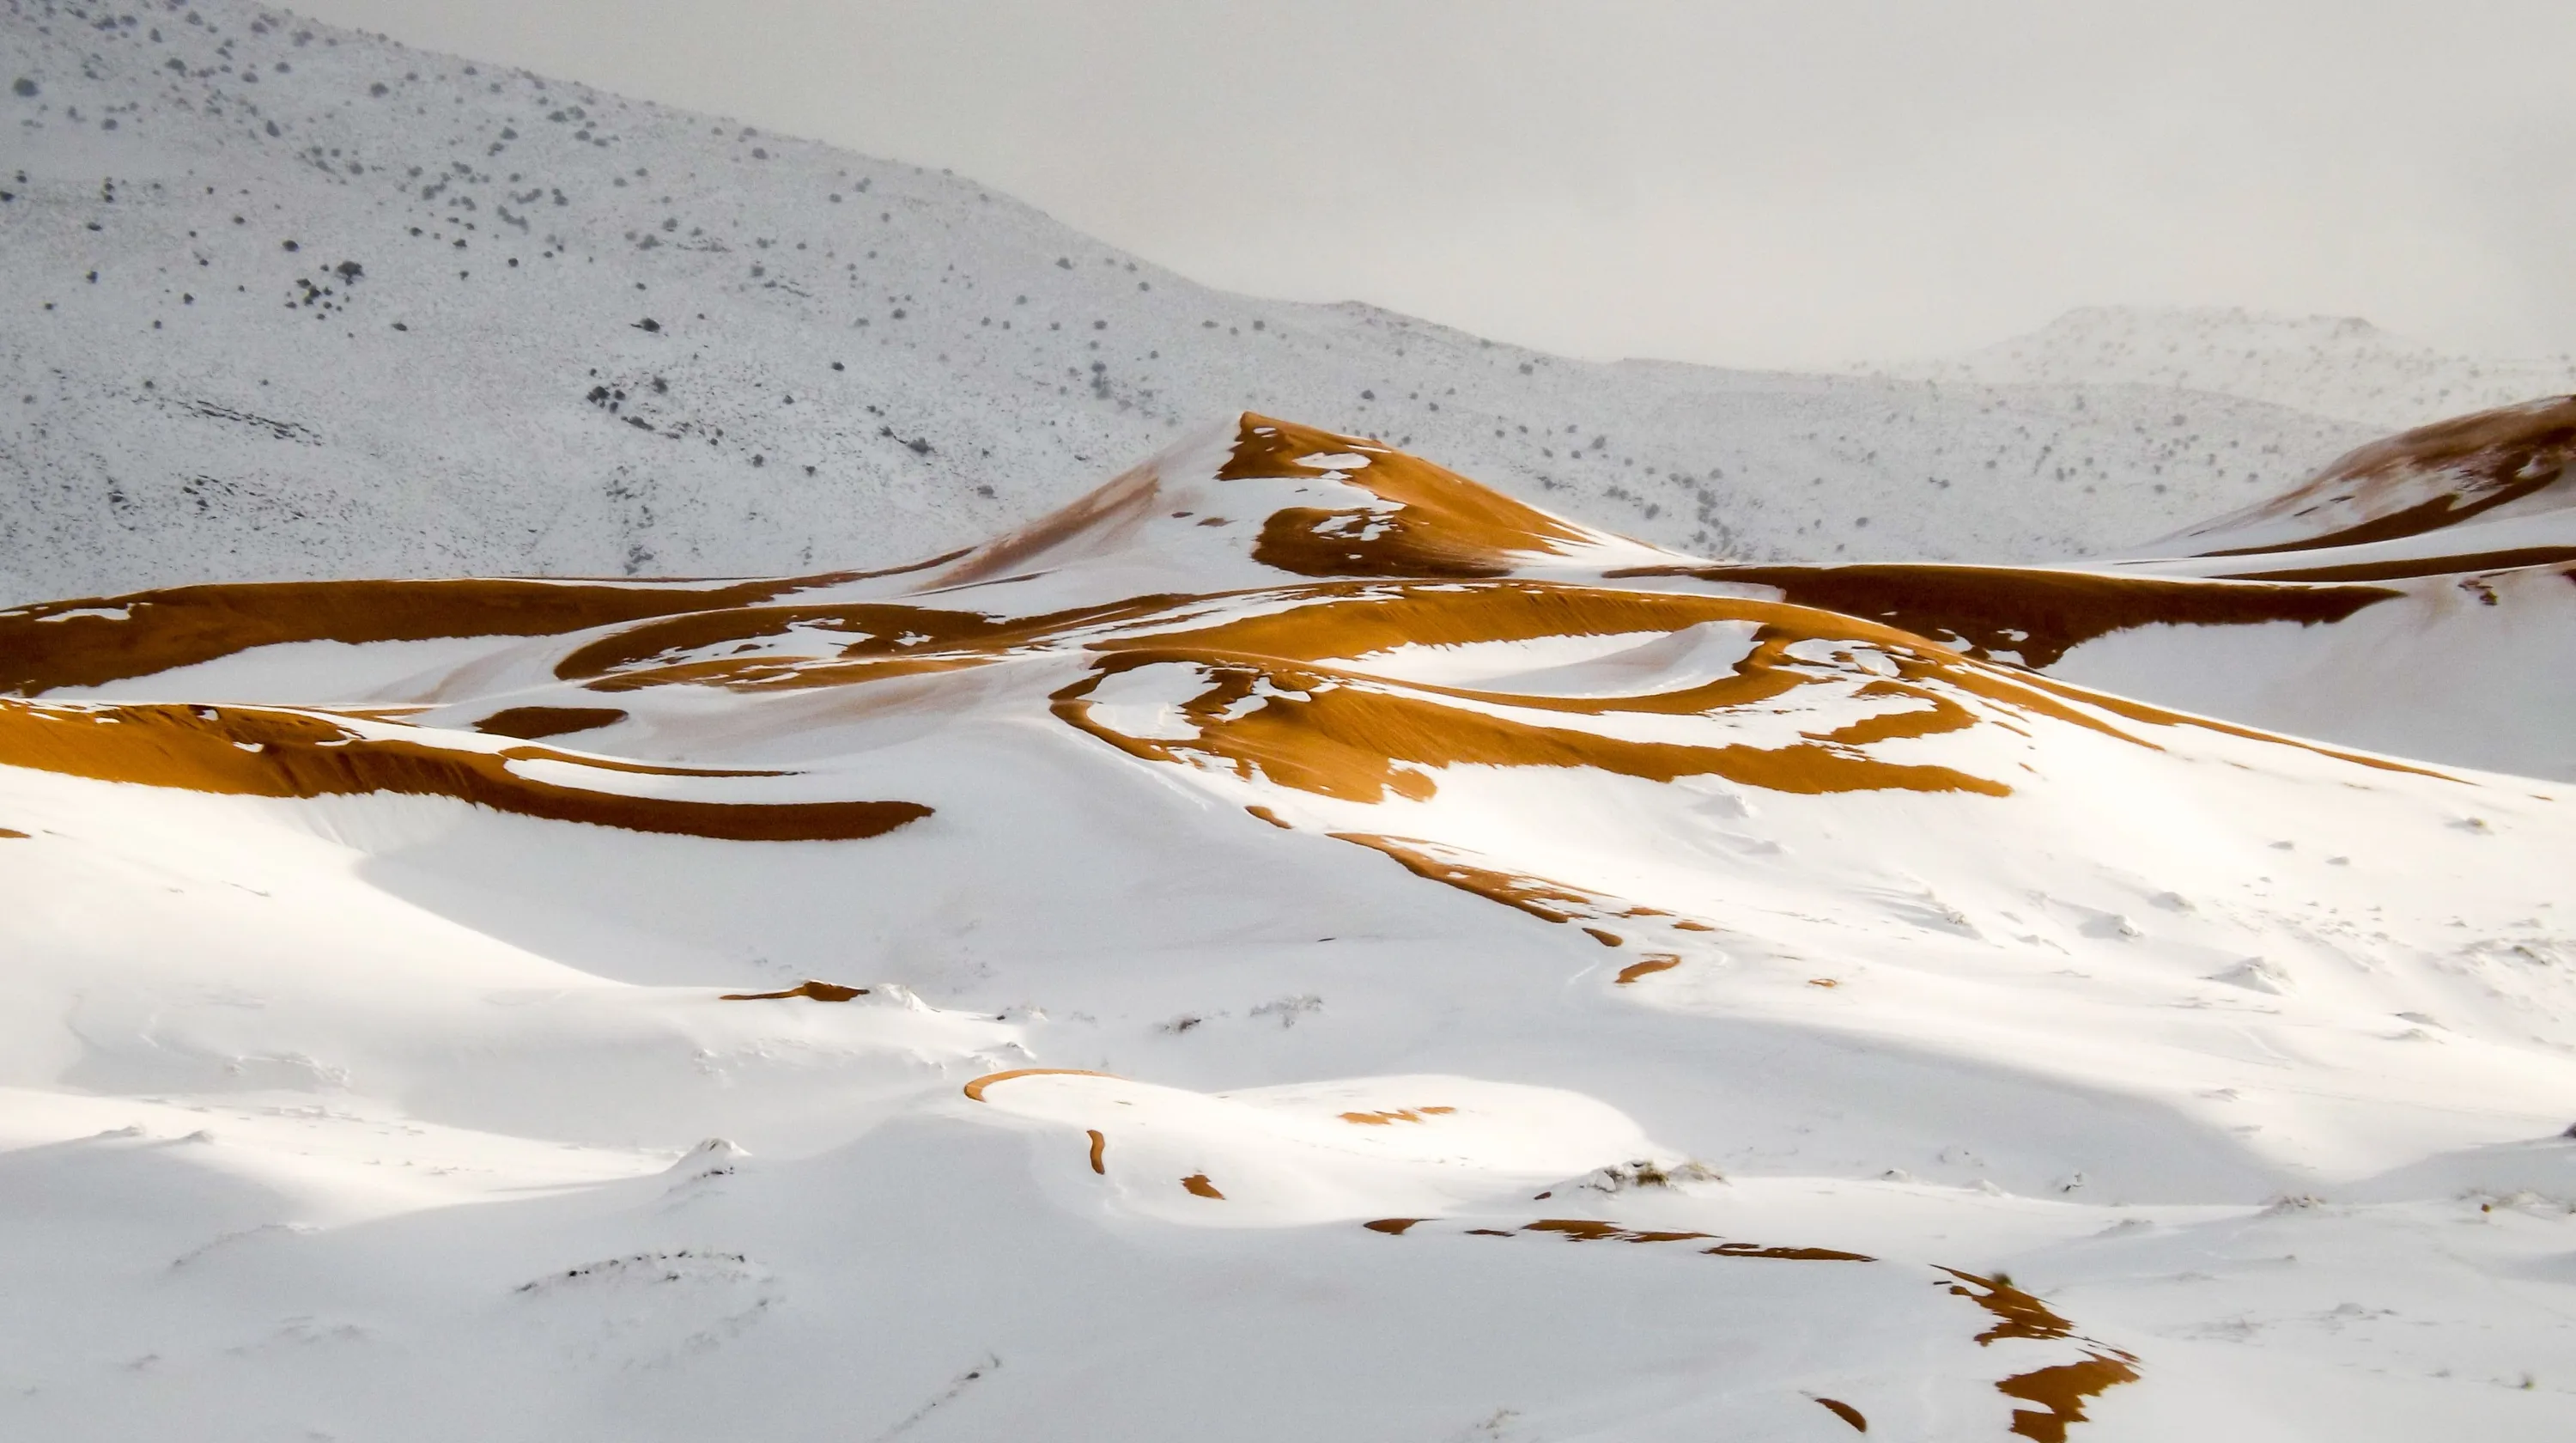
1293,945
289,302
2339,366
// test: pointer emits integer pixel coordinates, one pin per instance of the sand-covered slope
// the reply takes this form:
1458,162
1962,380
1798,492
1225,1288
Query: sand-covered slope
280,301
1293,945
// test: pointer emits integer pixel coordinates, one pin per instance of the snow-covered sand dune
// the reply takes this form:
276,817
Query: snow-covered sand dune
1293,944
2413,597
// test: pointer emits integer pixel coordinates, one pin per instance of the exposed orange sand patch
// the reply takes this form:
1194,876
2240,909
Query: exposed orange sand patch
975,1089
12,834
270,752
1385,1119
42,647
2017,1314
1634,970
1267,815
819,991
1198,1185
1586,1230
1393,1227
528,723
2033,613
1581,1230
1846,1412
1266,706
1794,1255
2061,1390
1442,524
1099,1150
1606,939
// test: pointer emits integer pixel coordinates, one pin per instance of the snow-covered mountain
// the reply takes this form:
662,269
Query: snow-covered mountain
1292,945
286,301
2339,366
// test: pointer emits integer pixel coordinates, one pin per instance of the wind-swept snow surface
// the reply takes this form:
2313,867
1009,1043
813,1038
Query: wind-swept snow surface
1292,945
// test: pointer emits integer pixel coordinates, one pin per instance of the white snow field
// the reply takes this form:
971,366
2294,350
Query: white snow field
1293,946
286,302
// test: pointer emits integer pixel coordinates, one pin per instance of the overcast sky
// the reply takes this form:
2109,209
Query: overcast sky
1780,182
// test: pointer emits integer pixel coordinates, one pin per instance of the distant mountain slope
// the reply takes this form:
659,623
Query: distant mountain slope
284,301
2340,366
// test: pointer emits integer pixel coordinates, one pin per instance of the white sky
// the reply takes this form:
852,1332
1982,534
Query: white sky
1778,182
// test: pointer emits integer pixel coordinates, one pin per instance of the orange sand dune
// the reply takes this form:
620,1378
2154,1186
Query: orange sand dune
263,752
